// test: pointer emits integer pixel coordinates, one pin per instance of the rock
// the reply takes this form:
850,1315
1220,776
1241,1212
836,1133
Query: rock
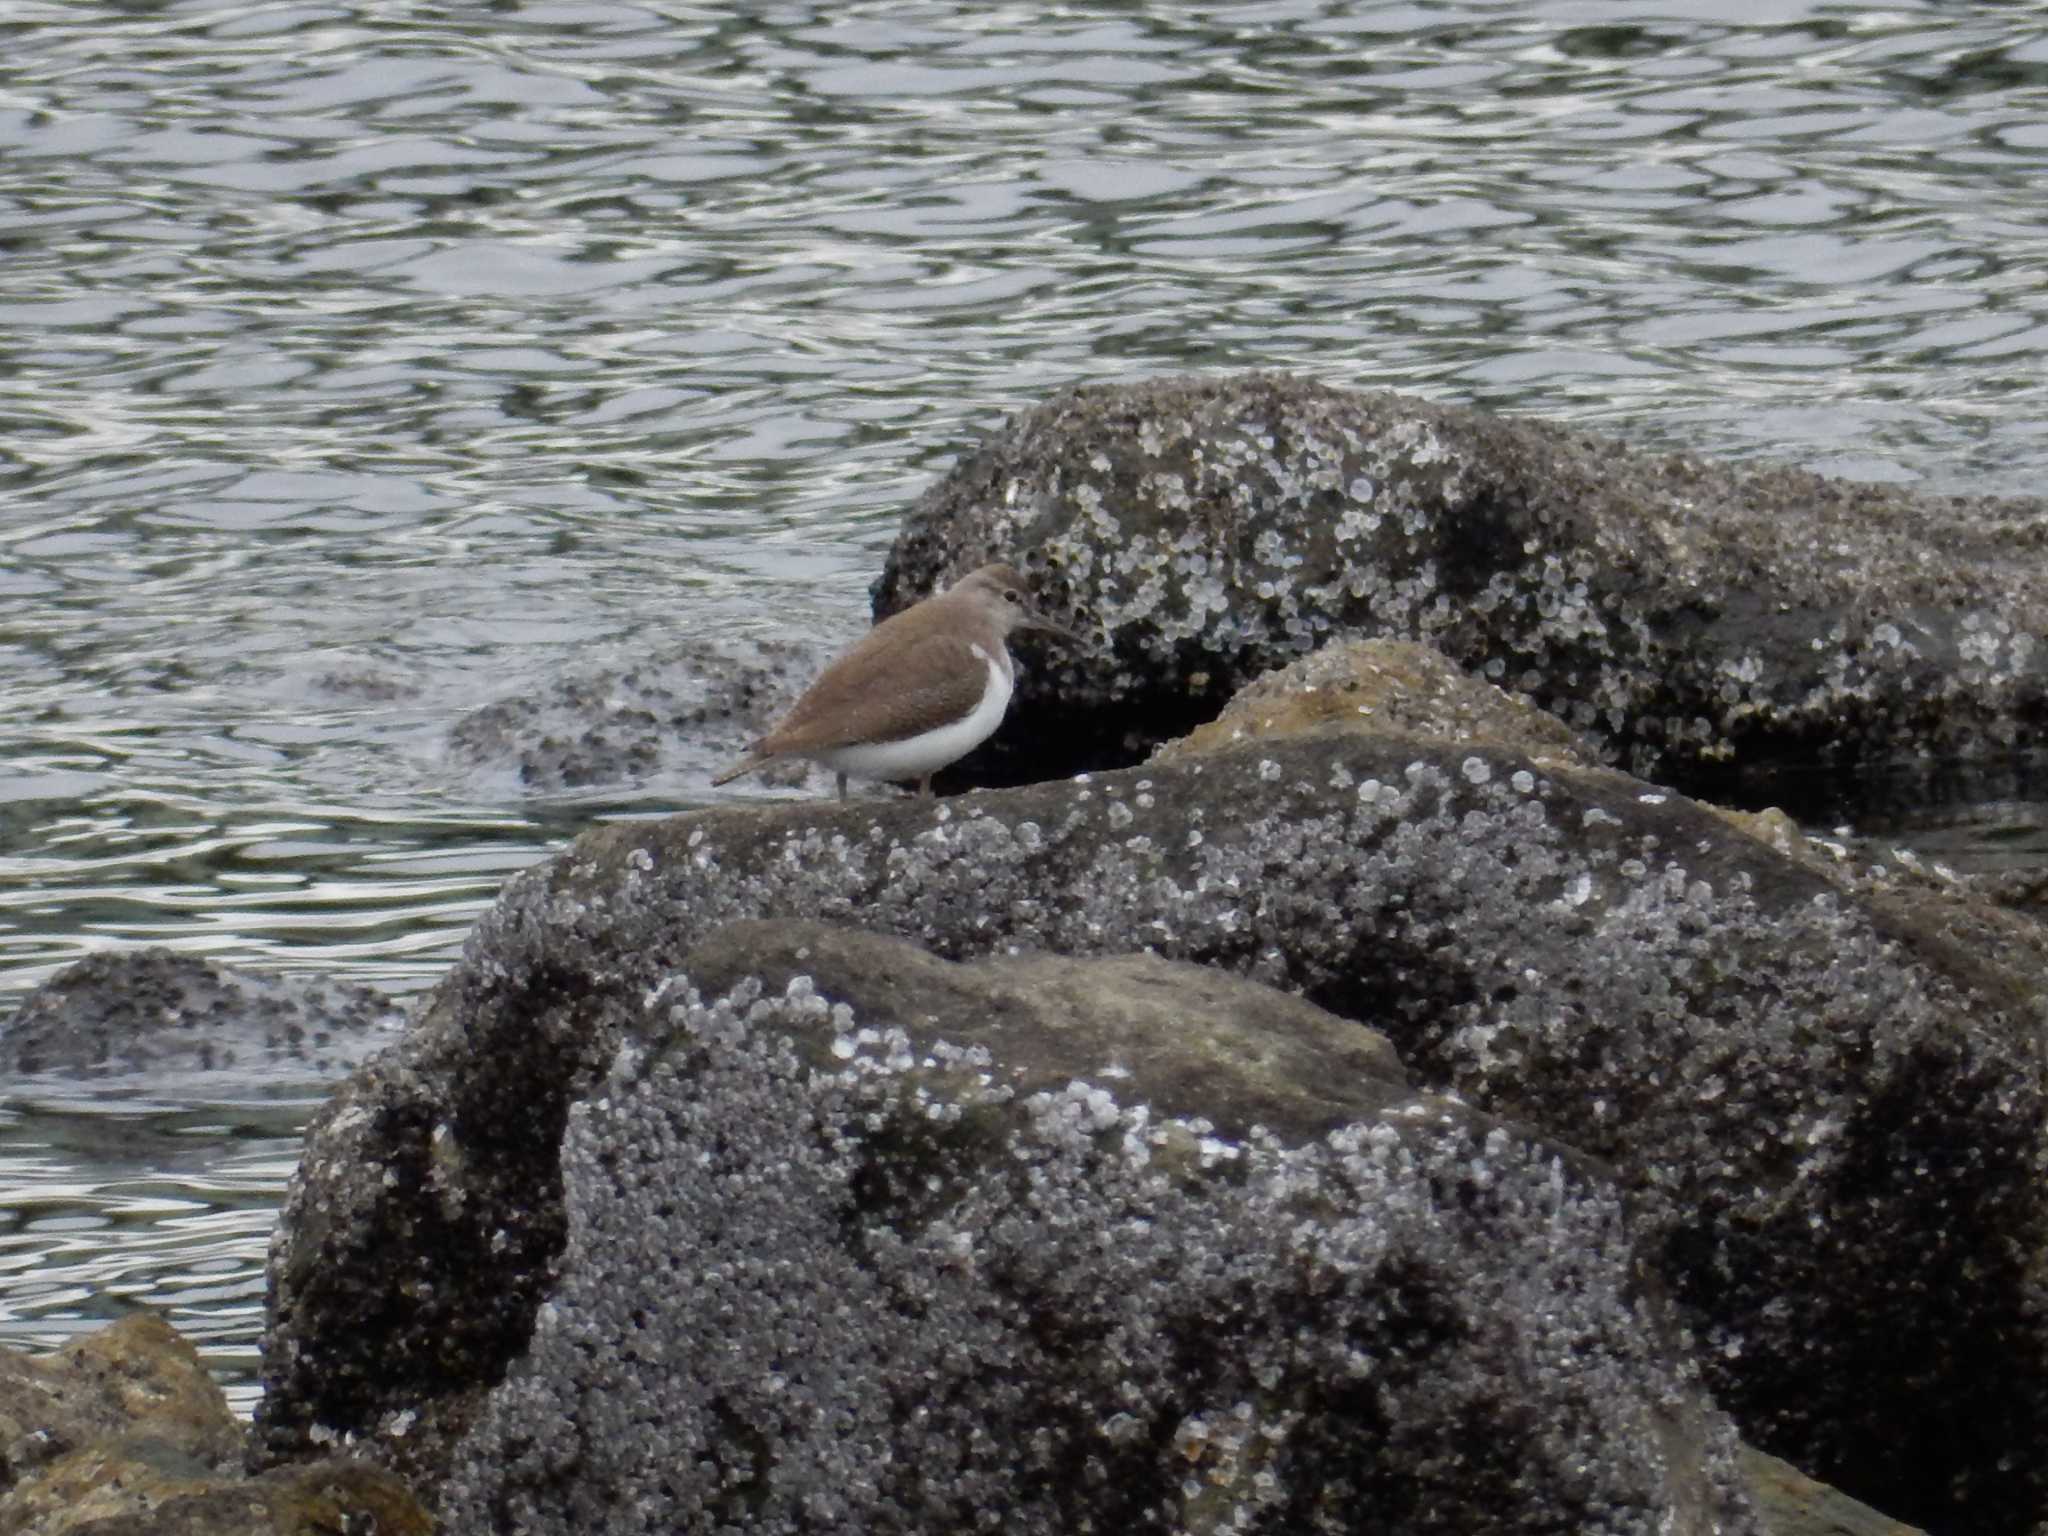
124,1433
1792,1504
825,1272
687,710
138,1488
157,1017
1381,688
1202,1043
1826,1117
1696,620
136,1377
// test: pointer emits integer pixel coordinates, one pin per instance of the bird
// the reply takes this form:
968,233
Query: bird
921,689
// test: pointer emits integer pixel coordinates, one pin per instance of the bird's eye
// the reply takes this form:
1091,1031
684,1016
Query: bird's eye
1012,595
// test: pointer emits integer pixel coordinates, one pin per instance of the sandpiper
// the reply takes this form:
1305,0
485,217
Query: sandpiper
918,691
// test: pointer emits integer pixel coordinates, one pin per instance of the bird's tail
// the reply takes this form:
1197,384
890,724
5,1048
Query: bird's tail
744,766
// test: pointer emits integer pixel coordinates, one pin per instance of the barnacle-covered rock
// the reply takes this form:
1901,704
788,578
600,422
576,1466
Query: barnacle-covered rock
684,708
826,1272
1826,1119
155,1017
1693,618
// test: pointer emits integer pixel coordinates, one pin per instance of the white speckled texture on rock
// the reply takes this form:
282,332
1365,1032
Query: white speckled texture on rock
1690,616
891,1297
1829,1120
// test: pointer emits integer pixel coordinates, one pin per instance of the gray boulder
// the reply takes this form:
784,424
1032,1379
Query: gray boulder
905,1246
1695,619
1826,1117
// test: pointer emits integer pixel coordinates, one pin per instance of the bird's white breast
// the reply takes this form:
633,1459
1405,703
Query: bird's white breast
915,756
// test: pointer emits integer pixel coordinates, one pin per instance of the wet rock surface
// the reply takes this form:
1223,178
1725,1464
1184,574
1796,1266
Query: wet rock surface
136,1376
156,1017
954,1294
124,1431
131,1488
1697,620
684,711
1790,1503
1826,1120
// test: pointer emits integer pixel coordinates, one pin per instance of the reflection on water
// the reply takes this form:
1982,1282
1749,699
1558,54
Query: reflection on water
108,1206
359,366
382,897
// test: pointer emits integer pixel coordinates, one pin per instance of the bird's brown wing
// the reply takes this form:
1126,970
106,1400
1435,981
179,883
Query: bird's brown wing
874,681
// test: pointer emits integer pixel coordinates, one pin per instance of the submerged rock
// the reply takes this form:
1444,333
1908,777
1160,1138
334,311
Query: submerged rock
154,1018
685,710
1694,619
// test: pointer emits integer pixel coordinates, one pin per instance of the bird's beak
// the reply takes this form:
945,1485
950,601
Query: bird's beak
1033,619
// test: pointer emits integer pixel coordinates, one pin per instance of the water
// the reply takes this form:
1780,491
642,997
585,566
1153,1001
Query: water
104,1208
361,364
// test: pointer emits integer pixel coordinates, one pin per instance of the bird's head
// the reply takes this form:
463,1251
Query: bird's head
999,591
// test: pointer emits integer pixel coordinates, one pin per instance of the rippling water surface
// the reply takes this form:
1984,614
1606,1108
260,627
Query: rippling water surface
360,364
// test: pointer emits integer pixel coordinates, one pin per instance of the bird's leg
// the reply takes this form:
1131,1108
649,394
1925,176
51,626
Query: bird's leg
924,787
842,786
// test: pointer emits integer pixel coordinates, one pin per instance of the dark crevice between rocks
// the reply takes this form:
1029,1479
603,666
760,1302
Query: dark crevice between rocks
1878,792
321,1284
1041,742
507,1125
